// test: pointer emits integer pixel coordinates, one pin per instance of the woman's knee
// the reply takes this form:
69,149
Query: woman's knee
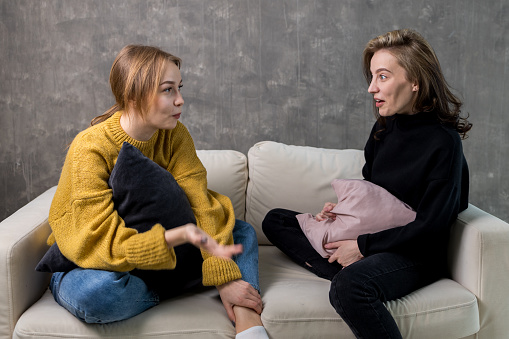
95,296
272,220
347,287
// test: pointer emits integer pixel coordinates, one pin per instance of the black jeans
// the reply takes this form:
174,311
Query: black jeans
358,291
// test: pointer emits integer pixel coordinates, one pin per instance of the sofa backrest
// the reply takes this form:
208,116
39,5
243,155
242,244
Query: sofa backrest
227,175
295,177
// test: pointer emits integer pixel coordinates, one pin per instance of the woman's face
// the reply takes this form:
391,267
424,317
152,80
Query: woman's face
392,92
167,103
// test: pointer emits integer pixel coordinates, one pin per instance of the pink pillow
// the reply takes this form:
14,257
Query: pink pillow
362,208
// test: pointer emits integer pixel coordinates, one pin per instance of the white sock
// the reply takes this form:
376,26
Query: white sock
255,332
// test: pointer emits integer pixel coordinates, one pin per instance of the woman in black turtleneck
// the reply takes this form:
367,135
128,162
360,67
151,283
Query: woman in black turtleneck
414,151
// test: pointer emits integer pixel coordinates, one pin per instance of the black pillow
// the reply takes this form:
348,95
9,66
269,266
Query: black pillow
144,194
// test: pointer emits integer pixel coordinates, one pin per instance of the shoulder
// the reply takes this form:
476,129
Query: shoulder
90,138
445,152
445,138
92,144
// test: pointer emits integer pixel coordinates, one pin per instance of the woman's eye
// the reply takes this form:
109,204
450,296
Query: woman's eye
167,90
180,87
383,77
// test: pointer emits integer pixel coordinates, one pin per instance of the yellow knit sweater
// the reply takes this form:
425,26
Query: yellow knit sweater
89,230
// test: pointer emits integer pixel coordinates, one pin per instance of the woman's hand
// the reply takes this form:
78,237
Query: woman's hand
326,212
347,252
239,293
189,233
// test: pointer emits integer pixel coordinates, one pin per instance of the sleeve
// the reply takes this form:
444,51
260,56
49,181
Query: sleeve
214,212
438,208
86,226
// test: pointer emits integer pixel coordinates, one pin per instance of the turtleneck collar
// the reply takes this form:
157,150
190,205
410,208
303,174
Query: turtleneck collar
416,119
120,136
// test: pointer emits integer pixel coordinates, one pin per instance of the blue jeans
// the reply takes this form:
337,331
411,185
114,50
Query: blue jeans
357,292
96,296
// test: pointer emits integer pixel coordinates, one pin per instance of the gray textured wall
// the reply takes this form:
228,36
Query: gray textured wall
253,70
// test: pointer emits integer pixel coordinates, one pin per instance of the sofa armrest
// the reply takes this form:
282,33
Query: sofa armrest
479,260
22,244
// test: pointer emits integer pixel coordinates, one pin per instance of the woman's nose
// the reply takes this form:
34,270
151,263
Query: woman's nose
372,87
179,100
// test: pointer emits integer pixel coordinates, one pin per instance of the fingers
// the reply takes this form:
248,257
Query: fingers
253,302
332,245
347,252
229,311
223,251
320,217
325,216
334,257
241,293
201,239
255,305
248,291
326,212
328,206
226,252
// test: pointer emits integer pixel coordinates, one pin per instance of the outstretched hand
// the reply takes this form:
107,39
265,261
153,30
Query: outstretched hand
189,233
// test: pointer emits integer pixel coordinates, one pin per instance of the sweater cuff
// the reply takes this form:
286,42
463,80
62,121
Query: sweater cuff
149,251
218,271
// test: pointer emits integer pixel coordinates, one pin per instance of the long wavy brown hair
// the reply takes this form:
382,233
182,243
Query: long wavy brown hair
134,78
419,60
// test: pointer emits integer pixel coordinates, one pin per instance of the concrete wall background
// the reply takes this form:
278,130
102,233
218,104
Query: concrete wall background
253,70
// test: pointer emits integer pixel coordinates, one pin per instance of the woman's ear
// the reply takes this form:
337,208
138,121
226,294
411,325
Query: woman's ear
415,87
131,104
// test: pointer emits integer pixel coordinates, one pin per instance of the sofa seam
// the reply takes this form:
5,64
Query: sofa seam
249,188
479,233
186,332
302,320
436,310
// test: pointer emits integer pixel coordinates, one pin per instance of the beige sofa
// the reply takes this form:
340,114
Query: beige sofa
474,303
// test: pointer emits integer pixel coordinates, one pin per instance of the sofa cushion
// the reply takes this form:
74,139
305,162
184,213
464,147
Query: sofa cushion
200,315
227,175
362,208
294,177
296,303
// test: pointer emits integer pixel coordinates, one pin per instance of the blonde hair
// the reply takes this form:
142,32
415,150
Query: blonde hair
421,64
134,78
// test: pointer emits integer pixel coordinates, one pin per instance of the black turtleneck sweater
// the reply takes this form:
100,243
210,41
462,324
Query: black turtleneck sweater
421,162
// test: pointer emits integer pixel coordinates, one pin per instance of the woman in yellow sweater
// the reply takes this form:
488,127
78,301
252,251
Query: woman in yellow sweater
89,231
